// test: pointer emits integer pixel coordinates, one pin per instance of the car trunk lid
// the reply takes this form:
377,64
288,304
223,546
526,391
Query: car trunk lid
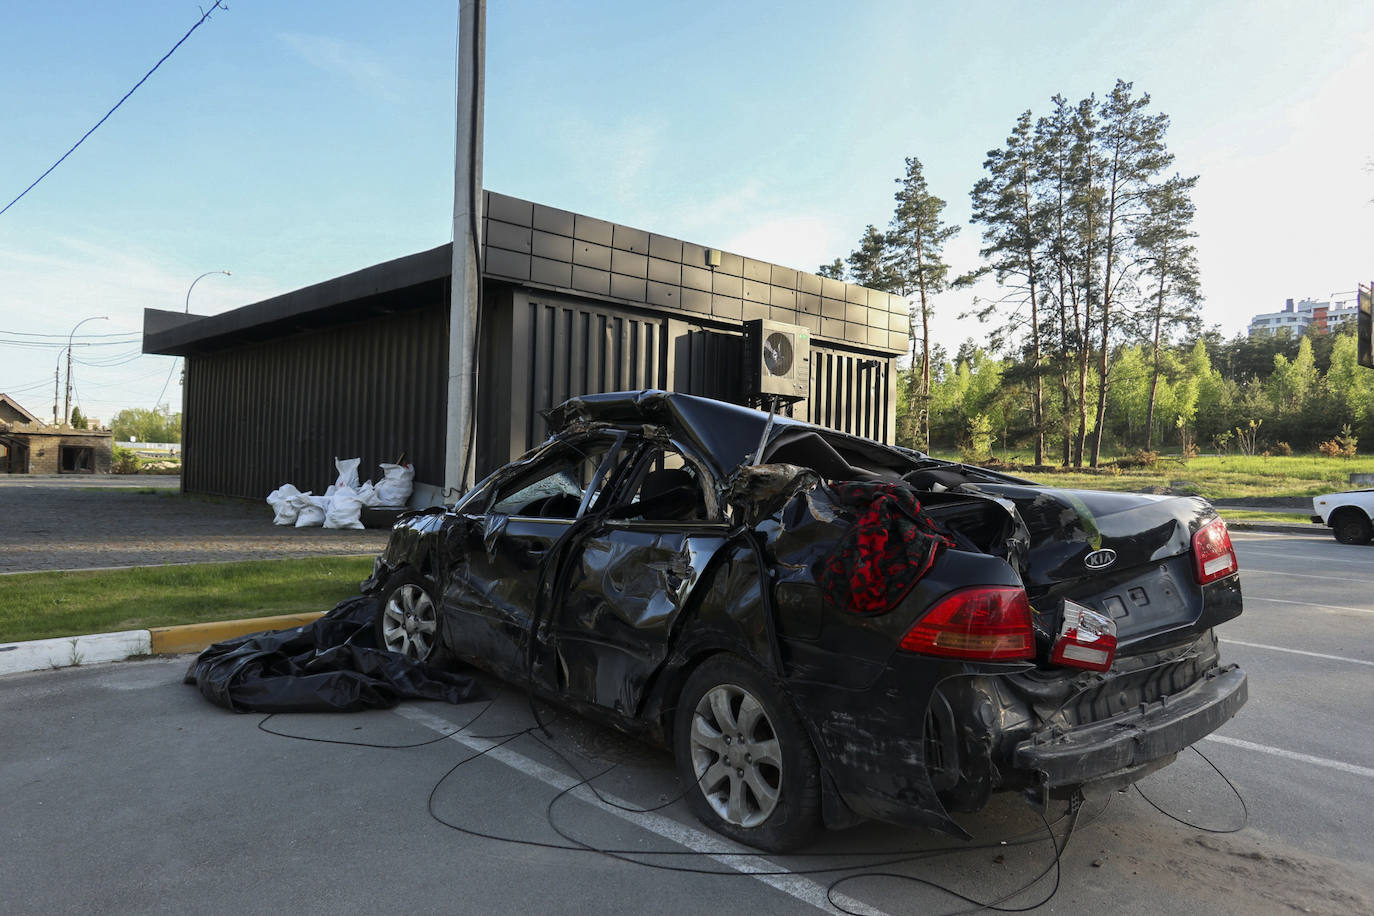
1128,555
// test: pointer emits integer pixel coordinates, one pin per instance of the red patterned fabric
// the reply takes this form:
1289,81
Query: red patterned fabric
890,547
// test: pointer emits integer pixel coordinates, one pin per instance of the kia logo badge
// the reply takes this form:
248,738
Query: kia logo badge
1100,559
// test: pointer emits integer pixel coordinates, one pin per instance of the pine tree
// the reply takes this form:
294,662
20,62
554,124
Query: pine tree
1130,152
1058,165
834,270
917,239
1165,242
1016,229
870,263
1076,226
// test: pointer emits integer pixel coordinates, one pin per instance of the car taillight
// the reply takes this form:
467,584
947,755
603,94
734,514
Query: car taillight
987,623
1213,556
1087,639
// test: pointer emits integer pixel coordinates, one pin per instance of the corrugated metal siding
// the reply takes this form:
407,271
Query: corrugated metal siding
852,393
559,347
279,412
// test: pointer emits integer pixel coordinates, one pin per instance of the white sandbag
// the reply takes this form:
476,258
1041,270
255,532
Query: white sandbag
367,494
312,510
345,509
348,472
396,483
283,508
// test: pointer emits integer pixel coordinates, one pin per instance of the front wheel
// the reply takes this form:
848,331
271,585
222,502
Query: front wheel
1351,526
409,622
745,757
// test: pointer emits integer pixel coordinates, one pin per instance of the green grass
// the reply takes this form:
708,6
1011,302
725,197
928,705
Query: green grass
1222,477
1250,515
45,605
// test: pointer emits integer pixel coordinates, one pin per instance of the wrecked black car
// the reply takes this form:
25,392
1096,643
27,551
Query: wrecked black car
823,628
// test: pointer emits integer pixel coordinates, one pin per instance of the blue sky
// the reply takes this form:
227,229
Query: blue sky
292,142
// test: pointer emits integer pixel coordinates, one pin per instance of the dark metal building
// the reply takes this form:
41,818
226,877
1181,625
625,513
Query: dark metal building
358,365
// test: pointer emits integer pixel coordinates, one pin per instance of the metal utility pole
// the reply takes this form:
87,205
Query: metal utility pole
67,404
467,244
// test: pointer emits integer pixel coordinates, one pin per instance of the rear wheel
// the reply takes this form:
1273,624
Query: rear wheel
408,622
1351,526
750,769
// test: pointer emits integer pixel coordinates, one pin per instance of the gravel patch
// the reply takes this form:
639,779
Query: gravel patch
49,524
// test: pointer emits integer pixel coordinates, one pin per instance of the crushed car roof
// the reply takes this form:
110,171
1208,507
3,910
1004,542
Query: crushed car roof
727,433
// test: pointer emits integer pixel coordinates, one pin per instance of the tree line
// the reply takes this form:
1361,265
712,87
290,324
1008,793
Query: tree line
139,424
1271,393
1088,235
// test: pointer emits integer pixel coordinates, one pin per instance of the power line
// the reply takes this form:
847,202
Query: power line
203,16
122,359
54,345
131,334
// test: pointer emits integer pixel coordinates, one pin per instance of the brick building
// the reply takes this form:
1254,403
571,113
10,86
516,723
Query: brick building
30,446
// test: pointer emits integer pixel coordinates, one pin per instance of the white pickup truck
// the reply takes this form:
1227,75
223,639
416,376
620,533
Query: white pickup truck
1348,514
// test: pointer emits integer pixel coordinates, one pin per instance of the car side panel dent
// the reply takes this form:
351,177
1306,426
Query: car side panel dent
621,600
728,611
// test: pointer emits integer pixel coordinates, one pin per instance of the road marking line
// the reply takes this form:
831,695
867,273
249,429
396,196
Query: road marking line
1239,535
1325,607
1310,556
711,845
1366,772
1288,575
1334,658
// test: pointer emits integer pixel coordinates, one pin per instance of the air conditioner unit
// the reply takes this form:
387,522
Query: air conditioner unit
777,359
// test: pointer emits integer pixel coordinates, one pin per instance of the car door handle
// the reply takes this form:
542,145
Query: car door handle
528,553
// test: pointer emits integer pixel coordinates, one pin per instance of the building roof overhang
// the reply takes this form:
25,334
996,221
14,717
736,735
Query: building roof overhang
381,289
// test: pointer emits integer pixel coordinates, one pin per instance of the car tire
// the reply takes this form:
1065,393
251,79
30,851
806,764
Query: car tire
408,620
770,799
1351,526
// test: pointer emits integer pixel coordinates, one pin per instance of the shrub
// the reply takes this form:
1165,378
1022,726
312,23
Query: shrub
976,445
125,461
1247,437
1140,458
1342,446
1282,448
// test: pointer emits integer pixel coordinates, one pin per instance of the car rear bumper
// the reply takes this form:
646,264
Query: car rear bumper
1126,742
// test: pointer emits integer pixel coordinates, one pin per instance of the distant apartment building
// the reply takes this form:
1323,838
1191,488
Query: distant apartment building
1297,317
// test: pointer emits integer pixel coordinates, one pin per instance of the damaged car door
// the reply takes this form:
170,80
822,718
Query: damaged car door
627,579
509,542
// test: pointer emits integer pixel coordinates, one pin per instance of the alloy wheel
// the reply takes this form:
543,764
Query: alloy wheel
735,755
409,623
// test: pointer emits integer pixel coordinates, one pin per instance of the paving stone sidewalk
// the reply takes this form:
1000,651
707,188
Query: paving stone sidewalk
51,524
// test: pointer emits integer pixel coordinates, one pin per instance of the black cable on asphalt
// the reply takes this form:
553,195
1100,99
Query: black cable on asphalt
1244,808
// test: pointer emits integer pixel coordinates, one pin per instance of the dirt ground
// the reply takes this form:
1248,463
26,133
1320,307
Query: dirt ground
57,523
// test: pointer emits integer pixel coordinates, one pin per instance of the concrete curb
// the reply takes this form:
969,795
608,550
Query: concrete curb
69,651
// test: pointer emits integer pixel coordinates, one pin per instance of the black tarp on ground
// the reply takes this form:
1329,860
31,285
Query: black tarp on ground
331,665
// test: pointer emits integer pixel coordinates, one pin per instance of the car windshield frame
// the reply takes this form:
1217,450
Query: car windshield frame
480,499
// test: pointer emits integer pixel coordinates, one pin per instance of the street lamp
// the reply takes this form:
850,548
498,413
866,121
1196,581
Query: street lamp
197,280
67,403
188,311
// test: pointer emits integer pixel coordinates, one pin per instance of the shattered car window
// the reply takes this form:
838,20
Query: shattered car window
557,485
665,487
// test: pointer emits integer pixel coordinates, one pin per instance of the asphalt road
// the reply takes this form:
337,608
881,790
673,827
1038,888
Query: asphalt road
121,790
103,521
